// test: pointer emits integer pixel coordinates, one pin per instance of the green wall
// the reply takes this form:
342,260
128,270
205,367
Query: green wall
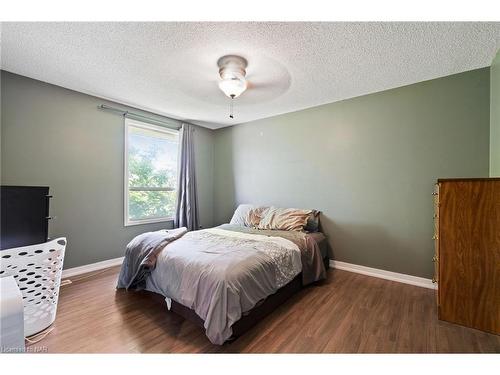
368,163
57,137
495,117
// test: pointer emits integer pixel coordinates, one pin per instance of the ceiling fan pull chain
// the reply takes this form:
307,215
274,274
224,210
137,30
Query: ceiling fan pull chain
231,108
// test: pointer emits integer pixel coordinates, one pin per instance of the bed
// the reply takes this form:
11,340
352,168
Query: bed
226,278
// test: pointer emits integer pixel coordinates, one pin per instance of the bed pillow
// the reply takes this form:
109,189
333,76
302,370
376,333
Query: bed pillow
313,222
254,216
240,215
284,219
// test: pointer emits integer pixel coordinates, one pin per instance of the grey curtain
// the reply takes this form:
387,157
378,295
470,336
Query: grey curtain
186,211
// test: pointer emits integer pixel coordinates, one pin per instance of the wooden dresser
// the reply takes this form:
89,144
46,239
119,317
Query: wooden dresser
467,259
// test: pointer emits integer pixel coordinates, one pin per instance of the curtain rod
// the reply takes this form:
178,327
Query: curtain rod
125,113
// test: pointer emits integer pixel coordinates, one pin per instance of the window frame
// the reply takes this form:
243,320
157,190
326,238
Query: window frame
144,125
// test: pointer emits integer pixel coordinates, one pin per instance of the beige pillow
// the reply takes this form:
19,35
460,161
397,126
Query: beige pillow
254,216
284,219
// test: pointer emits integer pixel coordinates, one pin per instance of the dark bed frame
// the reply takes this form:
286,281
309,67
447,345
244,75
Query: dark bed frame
259,312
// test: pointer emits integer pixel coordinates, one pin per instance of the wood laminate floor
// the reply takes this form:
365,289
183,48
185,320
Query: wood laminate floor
348,313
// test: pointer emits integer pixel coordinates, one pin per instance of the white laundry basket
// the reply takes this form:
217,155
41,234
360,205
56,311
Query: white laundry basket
37,270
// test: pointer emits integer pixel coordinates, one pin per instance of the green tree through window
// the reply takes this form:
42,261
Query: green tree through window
152,172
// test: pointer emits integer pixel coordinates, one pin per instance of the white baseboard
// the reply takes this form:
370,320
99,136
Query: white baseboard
75,271
375,272
382,274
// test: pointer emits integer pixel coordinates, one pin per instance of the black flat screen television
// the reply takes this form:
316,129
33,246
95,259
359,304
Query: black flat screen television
24,215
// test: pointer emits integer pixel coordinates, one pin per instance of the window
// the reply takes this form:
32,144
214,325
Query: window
150,172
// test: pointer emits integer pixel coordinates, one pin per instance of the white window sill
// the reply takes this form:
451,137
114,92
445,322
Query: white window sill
149,221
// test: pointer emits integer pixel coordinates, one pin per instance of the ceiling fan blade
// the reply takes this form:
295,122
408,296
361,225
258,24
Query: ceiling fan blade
263,85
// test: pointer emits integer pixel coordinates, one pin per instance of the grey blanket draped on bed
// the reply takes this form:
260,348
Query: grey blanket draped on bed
141,255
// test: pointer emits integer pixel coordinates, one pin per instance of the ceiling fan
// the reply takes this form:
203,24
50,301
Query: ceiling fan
272,81
232,71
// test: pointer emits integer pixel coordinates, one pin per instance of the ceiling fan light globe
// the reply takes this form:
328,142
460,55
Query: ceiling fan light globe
233,87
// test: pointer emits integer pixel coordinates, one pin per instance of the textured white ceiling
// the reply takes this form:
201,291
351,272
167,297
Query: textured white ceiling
171,68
